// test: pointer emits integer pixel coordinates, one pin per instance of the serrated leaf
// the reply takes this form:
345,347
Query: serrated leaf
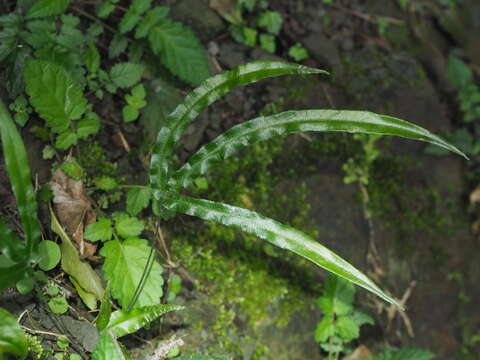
11,24
129,113
12,338
117,46
267,43
123,268
90,125
151,18
289,122
49,254
198,100
16,164
44,8
126,74
138,199
66,139
277,234
325,329
128,22
139,91
179,50
105,9
56,97
271,21
127,226
124,322
99,230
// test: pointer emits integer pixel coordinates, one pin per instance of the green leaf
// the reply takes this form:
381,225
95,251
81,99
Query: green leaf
16,164
152,18
108,348
66,139
12,338
81,271
73,169
88,299
49,254
277,234
105,183
361,318
347,328
338,296
128,22
271,20
90,125
179,50
44,8
298,53
12,24
91,58
126,74
324,329
267,43
124,322
459,74
58,305
199,357
138,199
117,46
123,268
25,285
127,226
129,113
198,100
290,122
100,230
105,311
56,97
139,91
105,9
10,245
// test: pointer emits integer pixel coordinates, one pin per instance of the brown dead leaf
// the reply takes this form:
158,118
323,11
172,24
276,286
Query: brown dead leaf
475,195
360,353
73,209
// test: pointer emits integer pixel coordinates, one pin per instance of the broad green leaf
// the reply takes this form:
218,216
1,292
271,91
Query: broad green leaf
151,18
108,348
66,139
90,125
271,21
105,311
277,234
117,46
92,58
10,245
324,329
123,268
49,252
99,230
179,50
126,74
58,305
337,297
138,199
10,26
290,122
361,318
12,272
127,226
16,164
347,328
81,271
198,100
12,338
124,322
56,97
129,113
44,8
132,16
88,299
25,285
139,91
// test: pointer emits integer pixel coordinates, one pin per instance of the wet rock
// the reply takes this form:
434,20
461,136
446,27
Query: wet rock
232,54
322,49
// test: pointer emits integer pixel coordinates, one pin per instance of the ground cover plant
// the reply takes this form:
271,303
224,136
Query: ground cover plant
66,60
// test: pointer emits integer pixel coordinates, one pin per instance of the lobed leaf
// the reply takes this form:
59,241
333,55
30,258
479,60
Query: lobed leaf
124,322
290,122
16,163
199,99
277,234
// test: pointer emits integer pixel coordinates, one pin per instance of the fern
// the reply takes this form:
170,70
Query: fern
166,183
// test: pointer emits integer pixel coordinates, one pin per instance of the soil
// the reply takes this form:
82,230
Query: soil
400,72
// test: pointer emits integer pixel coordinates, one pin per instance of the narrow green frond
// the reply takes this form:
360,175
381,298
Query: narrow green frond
289,122
16,163
277,234
199,99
